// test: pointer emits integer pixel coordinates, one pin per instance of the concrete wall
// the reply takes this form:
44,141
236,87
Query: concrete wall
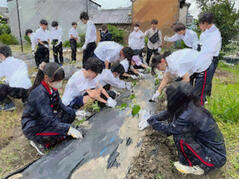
32,11
165,11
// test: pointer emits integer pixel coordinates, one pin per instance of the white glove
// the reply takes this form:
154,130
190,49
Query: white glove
141,75
143,124
141,70
111,103
155,96
128,85
82,113
74,133
133,77
159,49
33,52
46,46
166,38
84,47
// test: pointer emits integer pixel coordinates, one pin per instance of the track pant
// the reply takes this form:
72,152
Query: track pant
58,52
42,54
73,45
150,52
211,72
192,153
6,91
88,52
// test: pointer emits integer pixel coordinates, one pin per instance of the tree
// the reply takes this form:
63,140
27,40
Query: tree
226,17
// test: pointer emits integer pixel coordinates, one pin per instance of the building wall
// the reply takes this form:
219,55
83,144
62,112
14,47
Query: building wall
165,11
183,12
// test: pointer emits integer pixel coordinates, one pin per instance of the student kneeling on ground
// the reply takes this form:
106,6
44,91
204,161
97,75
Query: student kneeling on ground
83,88
17,81
46,121
199,141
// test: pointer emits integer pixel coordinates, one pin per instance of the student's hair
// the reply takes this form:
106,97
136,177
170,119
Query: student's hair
157,60
104,27
136,25
206,18
53,70
128,53
179,95
28,31
84,16
94,65
154,21
43,22
5,50
177,27
117,68
73,23
54,24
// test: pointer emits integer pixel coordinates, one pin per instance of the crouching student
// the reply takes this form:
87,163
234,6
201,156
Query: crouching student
198,139
82,87
16,77
137,63
110,78
46,121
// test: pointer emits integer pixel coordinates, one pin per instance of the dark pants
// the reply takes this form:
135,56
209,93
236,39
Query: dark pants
150,52
211,72
6,91
192,153
73,45
88,52
57,52
51,135
42,54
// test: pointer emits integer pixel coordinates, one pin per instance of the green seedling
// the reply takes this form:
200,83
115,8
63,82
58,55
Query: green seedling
95,106
157,81
132,96
135,110
122,107
134,83
148,70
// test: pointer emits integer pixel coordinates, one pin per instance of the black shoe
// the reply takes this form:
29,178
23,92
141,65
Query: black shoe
40,148
7,107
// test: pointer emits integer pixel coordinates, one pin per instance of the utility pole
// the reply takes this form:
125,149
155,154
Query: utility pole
19,25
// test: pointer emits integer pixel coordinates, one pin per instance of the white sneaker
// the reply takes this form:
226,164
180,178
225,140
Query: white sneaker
195,170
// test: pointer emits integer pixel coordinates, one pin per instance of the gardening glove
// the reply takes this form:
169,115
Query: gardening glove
111,103
128,85
143,124
141,75
141,70
81,114
74,133
33,52
155,96
166,38
133,77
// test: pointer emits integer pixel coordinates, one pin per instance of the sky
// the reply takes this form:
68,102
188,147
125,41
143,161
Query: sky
109,4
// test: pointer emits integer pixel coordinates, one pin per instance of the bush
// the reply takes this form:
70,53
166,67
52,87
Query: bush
4,29
117,34
67,44
27,38
82,40
8,39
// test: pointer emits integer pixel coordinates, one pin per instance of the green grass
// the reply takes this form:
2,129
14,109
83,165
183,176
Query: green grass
224,105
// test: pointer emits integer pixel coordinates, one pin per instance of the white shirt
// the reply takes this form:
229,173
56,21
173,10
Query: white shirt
190,38
42,35
90,35
136,40
107,77
125,64
33,40
16,73
73,32
56,34
76,87
108,50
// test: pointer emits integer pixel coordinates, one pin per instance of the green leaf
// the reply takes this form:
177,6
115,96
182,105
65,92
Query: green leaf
135,110
132,96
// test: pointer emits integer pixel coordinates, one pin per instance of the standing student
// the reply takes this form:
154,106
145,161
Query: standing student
56,38
82,87
46,121
90,37
136,40
154,40
32,36
199,142
189,37
105,35
73,36
210,45
43,39
17,81
108,52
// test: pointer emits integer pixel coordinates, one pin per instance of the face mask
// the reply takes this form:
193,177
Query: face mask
56,85
136,28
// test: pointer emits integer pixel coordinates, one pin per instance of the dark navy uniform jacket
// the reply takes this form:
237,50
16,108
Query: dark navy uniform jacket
42,112
105,36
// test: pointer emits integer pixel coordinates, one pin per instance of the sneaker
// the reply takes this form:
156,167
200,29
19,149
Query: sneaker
40,148
7,107
195,170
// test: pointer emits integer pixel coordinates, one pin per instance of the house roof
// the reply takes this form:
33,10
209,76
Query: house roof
113,16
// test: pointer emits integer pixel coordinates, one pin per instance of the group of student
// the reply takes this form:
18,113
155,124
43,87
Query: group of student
47,118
